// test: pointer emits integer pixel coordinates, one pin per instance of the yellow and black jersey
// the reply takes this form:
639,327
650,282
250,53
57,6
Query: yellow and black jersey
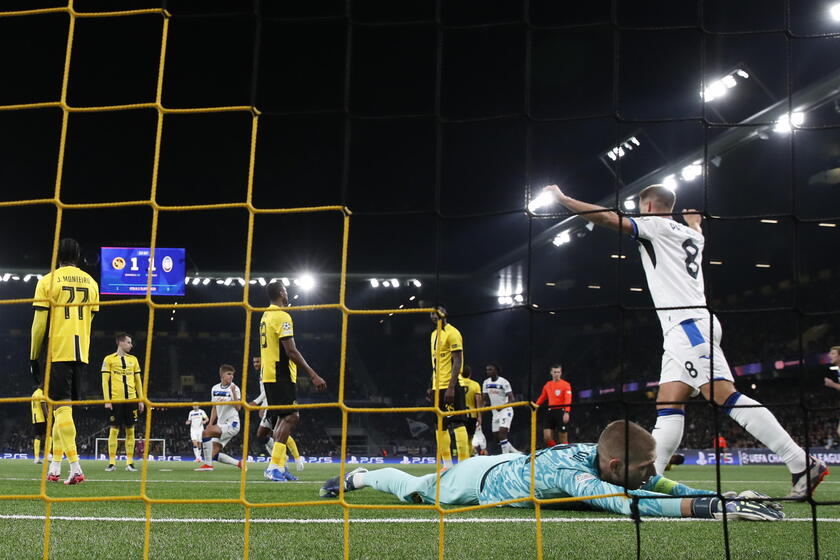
472,388
450,341
38,407
275,325
121,378
69,329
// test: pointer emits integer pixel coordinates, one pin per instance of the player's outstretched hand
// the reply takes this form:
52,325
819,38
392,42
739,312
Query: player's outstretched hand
758,496
554,191
751,511
319,383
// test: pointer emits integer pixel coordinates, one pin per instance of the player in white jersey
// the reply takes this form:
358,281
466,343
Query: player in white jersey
197,419
692,361
497,391
224,420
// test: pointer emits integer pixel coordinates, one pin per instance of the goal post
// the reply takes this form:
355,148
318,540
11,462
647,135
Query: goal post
157,447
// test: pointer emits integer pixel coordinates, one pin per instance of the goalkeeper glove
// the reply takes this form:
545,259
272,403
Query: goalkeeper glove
35,370
739,508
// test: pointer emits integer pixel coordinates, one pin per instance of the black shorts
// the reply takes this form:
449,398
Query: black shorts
460,404
39,430
279,392
554,421
124,414
66,380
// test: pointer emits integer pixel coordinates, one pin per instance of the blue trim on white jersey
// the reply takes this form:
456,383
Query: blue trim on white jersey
695,337
635,234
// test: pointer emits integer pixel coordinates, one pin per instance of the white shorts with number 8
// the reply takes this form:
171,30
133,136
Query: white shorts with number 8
688,356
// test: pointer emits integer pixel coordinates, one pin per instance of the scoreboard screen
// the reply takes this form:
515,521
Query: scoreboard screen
125,271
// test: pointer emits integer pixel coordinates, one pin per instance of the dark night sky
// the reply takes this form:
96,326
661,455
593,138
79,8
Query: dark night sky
435,162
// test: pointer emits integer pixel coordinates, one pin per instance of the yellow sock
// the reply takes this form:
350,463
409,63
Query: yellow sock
462,440
129,446
67,431
113,434
278,455
37,448
55,442
290,443
444,443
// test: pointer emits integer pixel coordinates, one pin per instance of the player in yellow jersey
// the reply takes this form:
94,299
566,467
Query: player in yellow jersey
39,422
473,401
263,440
448,357
69,341
121,380
280,360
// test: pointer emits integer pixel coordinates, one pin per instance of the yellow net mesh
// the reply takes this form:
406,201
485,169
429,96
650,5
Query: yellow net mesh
247,204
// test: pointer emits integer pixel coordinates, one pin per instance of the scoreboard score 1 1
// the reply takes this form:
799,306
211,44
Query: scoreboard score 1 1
125,271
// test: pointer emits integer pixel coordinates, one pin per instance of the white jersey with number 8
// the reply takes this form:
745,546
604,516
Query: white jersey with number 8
672,256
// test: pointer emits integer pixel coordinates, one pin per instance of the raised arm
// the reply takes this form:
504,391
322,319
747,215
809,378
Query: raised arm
693,220
598,215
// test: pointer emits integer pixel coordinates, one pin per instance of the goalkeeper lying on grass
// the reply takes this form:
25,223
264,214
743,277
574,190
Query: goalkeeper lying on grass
578,470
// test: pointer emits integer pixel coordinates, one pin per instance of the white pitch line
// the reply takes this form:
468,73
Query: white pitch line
150,481
406,520
727,481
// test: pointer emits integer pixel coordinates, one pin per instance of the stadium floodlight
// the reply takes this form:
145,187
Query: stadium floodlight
205,282
720,87
670,182
715,90
306,282
623,148
783,125
562,238
518,298
691,172
630,204
505,300
386,283
395,283
374,283
543,199
412,298
285,281
834,12
228,281
417,283
261,280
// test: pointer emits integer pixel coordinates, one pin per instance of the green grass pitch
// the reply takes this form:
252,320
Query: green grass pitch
207,531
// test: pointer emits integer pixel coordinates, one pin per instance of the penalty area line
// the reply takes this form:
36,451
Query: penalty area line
406,520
